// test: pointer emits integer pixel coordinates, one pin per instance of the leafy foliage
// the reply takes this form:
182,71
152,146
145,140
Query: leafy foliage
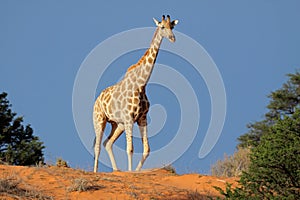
18,145
230,193
283,102
275,163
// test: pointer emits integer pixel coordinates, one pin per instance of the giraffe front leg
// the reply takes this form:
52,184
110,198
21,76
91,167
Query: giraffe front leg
143,131
129,150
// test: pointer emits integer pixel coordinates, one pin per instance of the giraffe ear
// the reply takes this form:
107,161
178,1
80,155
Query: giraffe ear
175,22
156,22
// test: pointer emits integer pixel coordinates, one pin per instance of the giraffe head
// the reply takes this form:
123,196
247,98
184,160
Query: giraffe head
166,26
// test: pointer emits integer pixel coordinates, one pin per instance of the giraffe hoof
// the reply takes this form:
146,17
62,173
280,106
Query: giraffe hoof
116,170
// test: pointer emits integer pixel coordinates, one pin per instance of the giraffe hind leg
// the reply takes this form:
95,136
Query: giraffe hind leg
129,146
143,130
116,131
99,126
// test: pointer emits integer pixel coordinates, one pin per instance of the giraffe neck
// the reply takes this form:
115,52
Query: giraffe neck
141,71
156,41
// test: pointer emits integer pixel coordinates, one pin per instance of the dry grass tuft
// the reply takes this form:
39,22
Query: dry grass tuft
195,195
82,185
170,169
10,186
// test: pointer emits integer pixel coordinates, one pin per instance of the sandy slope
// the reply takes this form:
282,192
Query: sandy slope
60,183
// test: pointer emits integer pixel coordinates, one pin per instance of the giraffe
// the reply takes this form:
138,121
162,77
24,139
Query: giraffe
126,102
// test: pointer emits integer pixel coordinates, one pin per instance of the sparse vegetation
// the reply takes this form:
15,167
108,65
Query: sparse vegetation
10,186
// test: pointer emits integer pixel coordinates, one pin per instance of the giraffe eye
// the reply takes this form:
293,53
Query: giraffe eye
162,27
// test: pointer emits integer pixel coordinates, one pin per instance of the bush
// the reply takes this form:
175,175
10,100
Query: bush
274,171
61,163
232,166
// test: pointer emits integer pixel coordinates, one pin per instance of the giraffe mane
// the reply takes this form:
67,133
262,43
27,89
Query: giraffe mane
132,67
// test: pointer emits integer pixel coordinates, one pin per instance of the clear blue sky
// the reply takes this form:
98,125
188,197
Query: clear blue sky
43,43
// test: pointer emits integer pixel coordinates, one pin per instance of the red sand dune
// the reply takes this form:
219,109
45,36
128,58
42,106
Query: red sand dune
65,183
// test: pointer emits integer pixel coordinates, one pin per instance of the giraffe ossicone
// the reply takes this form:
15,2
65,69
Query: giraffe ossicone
126,102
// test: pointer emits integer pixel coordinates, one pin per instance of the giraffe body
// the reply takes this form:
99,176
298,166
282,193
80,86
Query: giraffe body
126,102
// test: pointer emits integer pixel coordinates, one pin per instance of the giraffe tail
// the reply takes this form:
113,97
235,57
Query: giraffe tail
93,147
94,142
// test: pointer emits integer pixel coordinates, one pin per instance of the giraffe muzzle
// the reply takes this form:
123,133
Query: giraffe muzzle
172,38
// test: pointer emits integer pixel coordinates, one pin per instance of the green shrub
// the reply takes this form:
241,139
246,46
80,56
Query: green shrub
274,170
